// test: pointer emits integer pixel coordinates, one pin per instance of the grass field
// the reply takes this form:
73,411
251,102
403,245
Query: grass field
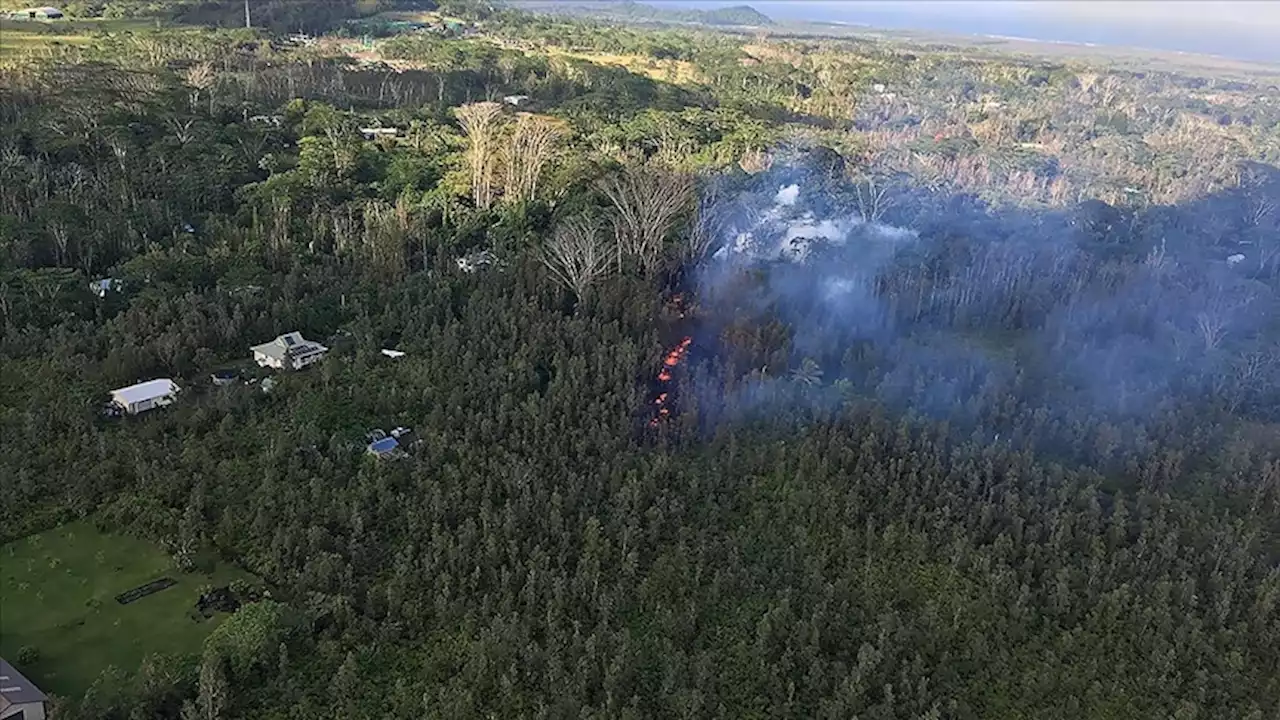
59,588
27,36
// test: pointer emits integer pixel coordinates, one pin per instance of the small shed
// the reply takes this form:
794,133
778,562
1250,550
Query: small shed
145,396
392,353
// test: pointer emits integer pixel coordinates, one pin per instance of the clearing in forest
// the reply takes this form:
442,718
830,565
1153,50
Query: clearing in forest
23,37
60,587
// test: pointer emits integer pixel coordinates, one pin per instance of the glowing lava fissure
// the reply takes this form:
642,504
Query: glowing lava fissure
664,388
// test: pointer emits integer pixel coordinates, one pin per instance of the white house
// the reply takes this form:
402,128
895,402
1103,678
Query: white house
290,350
373,133
146,395
37,13
516,100
20,699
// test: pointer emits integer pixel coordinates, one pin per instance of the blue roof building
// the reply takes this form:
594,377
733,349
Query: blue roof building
385,447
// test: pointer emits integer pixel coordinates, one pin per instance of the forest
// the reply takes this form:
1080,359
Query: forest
749,375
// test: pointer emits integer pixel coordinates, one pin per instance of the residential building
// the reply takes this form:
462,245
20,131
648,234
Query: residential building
384,448
373,133
291,351
37,13
104,286
145,396
20,699
516,100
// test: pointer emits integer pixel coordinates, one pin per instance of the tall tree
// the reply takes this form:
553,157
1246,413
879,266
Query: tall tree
649,200
576,255
482,123
533,144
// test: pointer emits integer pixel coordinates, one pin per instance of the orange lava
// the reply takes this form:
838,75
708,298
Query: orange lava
669,361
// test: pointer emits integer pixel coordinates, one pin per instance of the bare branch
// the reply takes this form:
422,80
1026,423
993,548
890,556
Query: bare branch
481,122
648,201
532,145
576,255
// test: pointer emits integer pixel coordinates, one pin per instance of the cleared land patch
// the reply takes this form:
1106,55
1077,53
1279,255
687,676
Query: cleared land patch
60,588
18,37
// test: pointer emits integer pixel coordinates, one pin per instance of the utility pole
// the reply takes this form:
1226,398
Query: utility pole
246,15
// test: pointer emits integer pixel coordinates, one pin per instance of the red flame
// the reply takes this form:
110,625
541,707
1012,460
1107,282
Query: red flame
669,361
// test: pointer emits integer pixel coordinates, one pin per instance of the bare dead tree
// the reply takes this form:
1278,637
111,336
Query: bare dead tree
279,239
181,129
533,145
1258,209
1218,308
482,123
648,200
708,223
873,199
576,255
345,228
386,228
61,241
200,77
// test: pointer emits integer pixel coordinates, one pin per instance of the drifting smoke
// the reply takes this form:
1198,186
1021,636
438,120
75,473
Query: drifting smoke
945,307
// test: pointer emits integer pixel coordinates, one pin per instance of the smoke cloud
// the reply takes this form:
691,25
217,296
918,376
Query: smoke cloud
943,306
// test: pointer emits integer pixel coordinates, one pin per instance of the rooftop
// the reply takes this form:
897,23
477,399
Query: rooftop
148,390
17,689
289,342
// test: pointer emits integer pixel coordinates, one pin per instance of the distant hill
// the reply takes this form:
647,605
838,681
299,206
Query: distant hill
736,15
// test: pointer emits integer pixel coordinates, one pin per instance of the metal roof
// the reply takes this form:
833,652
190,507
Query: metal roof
289,342
17,689
149,390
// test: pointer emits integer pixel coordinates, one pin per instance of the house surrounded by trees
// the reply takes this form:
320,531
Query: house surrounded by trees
290,350
145,396
20,699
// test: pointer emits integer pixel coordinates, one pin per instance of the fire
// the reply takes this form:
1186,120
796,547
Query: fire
677,353
669,362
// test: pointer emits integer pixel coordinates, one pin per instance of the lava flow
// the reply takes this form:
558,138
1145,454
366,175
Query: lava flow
669,363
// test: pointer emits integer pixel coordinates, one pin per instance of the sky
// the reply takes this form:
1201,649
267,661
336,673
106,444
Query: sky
1242,29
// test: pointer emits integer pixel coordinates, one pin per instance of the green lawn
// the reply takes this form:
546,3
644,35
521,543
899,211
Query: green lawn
25,36
59,588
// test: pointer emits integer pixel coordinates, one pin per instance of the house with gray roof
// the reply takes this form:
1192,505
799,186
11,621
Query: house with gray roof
20,699
290,350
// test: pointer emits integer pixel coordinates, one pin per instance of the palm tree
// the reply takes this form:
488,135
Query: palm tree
809,373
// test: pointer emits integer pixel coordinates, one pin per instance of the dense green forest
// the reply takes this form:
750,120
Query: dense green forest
1008,449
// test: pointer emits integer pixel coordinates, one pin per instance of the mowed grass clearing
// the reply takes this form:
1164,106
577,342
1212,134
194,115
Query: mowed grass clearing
28,36
59,589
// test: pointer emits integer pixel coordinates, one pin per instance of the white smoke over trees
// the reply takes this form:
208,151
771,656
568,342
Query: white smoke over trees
1096,310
